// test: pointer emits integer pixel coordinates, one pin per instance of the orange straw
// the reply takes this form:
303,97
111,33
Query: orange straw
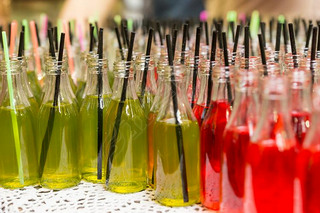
35,47
69,48
14,28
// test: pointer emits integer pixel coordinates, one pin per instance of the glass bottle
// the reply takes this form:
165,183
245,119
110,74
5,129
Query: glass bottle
170,182
89,130
309,161
271,153
151,84
127,157
300,99
236,140
58,134
82,76
9,170
211,141
32,76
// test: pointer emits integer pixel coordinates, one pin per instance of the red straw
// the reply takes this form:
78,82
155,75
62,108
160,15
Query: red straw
69,48
13,35
35,46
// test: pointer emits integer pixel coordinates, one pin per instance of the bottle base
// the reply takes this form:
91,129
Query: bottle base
60,183
175,202
14,183
126,187
211,205
92,178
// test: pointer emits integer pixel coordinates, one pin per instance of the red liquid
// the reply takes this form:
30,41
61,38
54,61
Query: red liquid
210,155
198,110
273,173
235,149
151,120
301,124
309,175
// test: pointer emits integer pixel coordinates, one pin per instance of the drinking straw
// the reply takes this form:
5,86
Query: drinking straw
159,32
318,46
51,45
226,63
174,41
13,35
21,45
313,51
297,26
55,36
271,29
206,32
212,60
116,127
126,35
285,36
246,46
146,65
281,19
26,34
35,46
91,39
69,47
235,45
254,24
9,32
97,29
219,31
263,33
308,39
80,37
47,137
278,38
130,24
293,45
13,111
195,66
44,25
100,105
179,135
119,43
124,40
117,19
263,55
1,42
184,41
37,33
70,32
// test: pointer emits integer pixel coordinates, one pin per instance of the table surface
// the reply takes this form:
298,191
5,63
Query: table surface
86,197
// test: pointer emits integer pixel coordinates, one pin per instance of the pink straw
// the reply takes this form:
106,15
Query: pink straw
35,46
69,48
80,37
14,28
45,27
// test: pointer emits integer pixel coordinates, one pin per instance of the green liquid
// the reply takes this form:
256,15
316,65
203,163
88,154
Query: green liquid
167,168
72,84
61,166
80,91
89,138
147,102
9,175
129,167
34,85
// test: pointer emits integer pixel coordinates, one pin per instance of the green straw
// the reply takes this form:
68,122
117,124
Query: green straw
281,19
254,24
130,24
60,28
117,19
26,34
13,111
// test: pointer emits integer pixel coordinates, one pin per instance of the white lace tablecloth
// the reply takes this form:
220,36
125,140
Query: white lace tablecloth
86,197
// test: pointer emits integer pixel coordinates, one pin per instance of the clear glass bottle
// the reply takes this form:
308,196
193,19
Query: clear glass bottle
127,157
89,121
32,76
309,161
271,152
9,170
211,141
59,164
237,134
169,179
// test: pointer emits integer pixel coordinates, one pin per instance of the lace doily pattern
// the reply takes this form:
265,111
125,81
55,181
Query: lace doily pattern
86,197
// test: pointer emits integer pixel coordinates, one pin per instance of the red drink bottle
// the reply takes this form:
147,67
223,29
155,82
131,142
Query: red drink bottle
271,153
236,140
308,162
212,137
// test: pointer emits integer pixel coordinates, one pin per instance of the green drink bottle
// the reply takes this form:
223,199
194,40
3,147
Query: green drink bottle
176,145
89,119
127,171
82,76
58,137
32,76
9,170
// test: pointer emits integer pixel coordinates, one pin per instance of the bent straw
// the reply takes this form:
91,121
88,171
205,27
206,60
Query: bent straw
13,35
47,137
235,45
119,43
69,47
146,65
115,130
212,59
263,55
278,39
179,134
100,104
184,41
195,66
293,45
35,47
13,112
226,63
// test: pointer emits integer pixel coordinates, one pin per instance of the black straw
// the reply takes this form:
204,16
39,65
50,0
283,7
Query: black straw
263,55
116,127
174,41
47,137
285,36
313,52
278,39
246,46
184,41
37,33
293,45
179,134
51,45
21,45
119,43
308,40
55,35
271,30
146,65
195,66
226,63
1,42
318,46
206,32
235,45
263,33
100,104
